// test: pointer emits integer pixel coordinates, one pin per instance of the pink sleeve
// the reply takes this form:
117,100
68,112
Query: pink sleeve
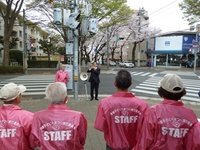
33,138
57,77
100,122
192,139
146,136
67,77
83,130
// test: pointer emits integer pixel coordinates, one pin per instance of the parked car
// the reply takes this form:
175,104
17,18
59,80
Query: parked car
121,64
126,64
112,63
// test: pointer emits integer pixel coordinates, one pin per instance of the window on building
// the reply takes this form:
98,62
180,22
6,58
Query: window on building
20,44
32,31
20,33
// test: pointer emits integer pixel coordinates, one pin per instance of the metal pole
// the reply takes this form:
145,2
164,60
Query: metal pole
196,48
76,56
195,63
25,48
107,48
139,13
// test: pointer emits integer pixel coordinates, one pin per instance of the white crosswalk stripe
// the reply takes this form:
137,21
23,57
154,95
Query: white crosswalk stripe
35,84
185,73
133,73
150,86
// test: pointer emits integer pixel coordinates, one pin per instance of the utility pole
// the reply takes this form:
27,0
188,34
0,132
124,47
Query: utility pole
196,48
76,48
107,46
140,14
25,48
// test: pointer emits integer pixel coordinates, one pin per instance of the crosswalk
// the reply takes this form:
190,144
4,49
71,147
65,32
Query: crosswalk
150,86
35,84
133,73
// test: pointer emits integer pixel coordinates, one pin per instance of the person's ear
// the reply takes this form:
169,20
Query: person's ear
66,99
17,100
115,84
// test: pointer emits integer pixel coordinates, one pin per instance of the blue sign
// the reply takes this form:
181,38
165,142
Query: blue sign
188,41
167,43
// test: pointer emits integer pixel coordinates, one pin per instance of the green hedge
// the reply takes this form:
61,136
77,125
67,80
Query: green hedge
11,69
42,64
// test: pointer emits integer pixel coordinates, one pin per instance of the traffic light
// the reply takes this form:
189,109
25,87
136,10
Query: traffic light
120,38
73,21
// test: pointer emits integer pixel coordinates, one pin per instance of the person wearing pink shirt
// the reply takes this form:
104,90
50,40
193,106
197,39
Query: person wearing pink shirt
166,124
58,128
62,75
15,123
120,116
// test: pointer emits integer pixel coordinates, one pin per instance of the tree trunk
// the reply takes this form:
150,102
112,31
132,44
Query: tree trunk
6,51
133,52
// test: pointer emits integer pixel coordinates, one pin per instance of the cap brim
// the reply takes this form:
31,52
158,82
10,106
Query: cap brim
22,88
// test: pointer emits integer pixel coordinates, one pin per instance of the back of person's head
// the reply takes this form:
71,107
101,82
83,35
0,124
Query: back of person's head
9,92
56,92
123,79
171,87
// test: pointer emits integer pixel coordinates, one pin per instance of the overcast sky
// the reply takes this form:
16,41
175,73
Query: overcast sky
163,14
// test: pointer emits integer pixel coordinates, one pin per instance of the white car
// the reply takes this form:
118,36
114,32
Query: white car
112,63
128,64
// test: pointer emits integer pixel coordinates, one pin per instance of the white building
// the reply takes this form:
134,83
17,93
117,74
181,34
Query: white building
33,35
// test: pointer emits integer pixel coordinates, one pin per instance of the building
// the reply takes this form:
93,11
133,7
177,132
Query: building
173,49
33,35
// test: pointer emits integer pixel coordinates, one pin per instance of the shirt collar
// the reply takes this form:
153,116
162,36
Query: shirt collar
172,102
123,94
58,106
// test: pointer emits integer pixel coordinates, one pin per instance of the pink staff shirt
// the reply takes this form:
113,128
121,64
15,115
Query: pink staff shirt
120,118
15,127
62,76
58,128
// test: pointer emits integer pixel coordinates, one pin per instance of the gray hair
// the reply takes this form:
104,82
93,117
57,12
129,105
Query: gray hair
56,92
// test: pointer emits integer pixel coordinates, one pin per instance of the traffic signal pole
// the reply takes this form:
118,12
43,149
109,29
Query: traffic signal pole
76,55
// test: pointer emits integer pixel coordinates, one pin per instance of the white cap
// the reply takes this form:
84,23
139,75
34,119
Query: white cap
170,82
10,91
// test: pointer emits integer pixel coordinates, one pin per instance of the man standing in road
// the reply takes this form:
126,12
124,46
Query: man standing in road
58,127
94,80
120,116
62,75
165,125
15,123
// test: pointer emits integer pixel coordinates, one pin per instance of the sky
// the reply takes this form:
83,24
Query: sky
163,14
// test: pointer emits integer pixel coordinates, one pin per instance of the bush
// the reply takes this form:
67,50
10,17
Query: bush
11,69
42,64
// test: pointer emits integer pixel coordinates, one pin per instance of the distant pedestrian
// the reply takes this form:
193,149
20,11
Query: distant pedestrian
192,140
58,128
62,75
120,116
94,80
166,124
15,123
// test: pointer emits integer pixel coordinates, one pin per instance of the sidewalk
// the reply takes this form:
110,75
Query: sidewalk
95,139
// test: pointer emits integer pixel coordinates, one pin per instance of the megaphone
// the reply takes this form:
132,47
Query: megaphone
83,76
